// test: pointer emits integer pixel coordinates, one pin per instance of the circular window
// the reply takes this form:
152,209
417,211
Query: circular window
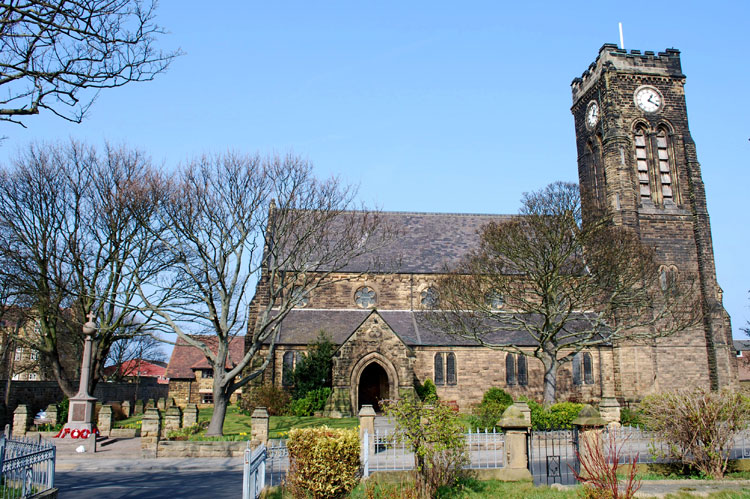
300,296
365,297
429,298
494,300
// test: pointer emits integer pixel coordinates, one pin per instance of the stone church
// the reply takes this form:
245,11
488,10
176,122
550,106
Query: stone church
636,157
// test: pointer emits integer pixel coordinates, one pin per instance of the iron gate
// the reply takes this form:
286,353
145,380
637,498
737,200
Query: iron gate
552,456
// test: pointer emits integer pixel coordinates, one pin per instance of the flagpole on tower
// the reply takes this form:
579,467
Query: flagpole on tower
622,43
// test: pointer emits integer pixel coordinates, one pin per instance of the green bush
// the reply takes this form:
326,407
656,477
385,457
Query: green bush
630,417
488,413
274,399
62,410
323,462
426,391
313,401
497,396
560,415
434,433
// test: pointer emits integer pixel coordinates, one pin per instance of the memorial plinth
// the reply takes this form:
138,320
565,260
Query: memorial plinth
81,410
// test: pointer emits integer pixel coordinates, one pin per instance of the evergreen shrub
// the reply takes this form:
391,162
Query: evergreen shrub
323,462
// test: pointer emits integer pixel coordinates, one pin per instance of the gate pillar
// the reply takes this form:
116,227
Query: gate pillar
590,425
516,428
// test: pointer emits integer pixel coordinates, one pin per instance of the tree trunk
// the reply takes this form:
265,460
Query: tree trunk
550,378
221,401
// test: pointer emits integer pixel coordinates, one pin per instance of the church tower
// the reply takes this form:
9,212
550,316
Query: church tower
637,160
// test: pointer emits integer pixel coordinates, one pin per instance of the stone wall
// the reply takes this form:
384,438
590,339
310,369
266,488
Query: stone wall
37,395
479,369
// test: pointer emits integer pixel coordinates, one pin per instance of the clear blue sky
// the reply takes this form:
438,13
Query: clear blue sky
429,106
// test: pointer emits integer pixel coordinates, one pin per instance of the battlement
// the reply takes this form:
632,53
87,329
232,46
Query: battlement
611,58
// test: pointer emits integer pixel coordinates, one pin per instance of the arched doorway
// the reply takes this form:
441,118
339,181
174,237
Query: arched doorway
373,386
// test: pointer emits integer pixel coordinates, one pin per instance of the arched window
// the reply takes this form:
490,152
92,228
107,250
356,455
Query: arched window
450,368
577,369
287,368
665,174
523,373
510,369
439,373
641,158
588,371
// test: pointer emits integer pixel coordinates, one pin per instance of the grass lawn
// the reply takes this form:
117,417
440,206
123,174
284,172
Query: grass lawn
237,423
471,489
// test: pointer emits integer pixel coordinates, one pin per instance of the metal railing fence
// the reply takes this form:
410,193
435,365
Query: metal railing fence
27,466
254,472
383,451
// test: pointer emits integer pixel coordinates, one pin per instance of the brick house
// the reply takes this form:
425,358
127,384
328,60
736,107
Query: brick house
191,376
637,159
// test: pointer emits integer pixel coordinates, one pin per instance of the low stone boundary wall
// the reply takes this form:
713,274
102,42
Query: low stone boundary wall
186,448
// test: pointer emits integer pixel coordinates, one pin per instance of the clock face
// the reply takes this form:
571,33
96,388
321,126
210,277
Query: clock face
648,99
592,114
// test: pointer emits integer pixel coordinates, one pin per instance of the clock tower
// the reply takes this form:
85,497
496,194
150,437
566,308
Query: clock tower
637,160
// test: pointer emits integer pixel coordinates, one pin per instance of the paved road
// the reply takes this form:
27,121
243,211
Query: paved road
161,485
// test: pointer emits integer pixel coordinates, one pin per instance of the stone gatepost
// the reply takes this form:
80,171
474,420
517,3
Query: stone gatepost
104,424
150,428
161,404
138,407
127,409
52,414
22,419
366,424
259,425
190,416
172,420
590,425
609,409
516,428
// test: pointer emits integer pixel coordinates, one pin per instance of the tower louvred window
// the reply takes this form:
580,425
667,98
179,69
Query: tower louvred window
665,174
641,158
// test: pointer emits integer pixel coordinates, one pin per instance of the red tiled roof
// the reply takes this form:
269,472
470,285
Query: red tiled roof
186,357
138,367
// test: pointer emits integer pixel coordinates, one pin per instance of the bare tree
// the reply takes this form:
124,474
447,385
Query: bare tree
232,221
128,353
70,230
57,54
567,283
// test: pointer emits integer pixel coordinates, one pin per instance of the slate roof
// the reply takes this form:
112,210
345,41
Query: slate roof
186,357
301,327
425,242
741,345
